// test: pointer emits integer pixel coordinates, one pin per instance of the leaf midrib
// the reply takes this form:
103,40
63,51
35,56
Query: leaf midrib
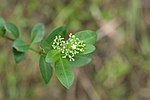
46,72
64,71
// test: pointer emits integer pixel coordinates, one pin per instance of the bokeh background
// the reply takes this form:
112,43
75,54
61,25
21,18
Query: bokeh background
120,69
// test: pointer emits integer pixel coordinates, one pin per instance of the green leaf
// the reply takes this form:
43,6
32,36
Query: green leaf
45,69
18,56
12,30
2,22
64,72
20,45
58,31
52,56
44,45
88,36
89,48
37,33
81,60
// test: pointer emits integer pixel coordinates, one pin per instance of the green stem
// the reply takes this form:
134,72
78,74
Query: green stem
32,49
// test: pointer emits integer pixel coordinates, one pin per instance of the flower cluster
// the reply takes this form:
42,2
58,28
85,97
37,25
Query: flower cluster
58,43
69,48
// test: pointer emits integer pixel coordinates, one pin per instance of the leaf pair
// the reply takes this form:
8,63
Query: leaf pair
20,47
64,71
14,33
63,68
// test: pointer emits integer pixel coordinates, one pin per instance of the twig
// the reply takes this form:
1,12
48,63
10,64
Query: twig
32,49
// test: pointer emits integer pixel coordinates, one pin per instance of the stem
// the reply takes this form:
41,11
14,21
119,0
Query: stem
32,49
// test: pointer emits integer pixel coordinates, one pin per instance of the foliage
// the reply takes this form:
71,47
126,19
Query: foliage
55,51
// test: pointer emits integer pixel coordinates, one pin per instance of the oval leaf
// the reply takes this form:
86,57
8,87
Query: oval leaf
12,30
20,45
89,48
45,69
88,36
56,32
64,72
18,56
81,60
44,45
37,33
52,56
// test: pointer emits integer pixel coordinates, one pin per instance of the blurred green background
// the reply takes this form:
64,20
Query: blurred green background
120,69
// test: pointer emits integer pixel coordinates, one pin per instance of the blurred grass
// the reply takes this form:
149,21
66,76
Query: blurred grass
121,64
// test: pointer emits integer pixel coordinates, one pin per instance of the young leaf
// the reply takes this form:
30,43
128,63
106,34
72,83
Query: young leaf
18,56
52,56
88,36
45,69
12,30
44,45
20,45
89,48
37,33
56,32
81,60
64,72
